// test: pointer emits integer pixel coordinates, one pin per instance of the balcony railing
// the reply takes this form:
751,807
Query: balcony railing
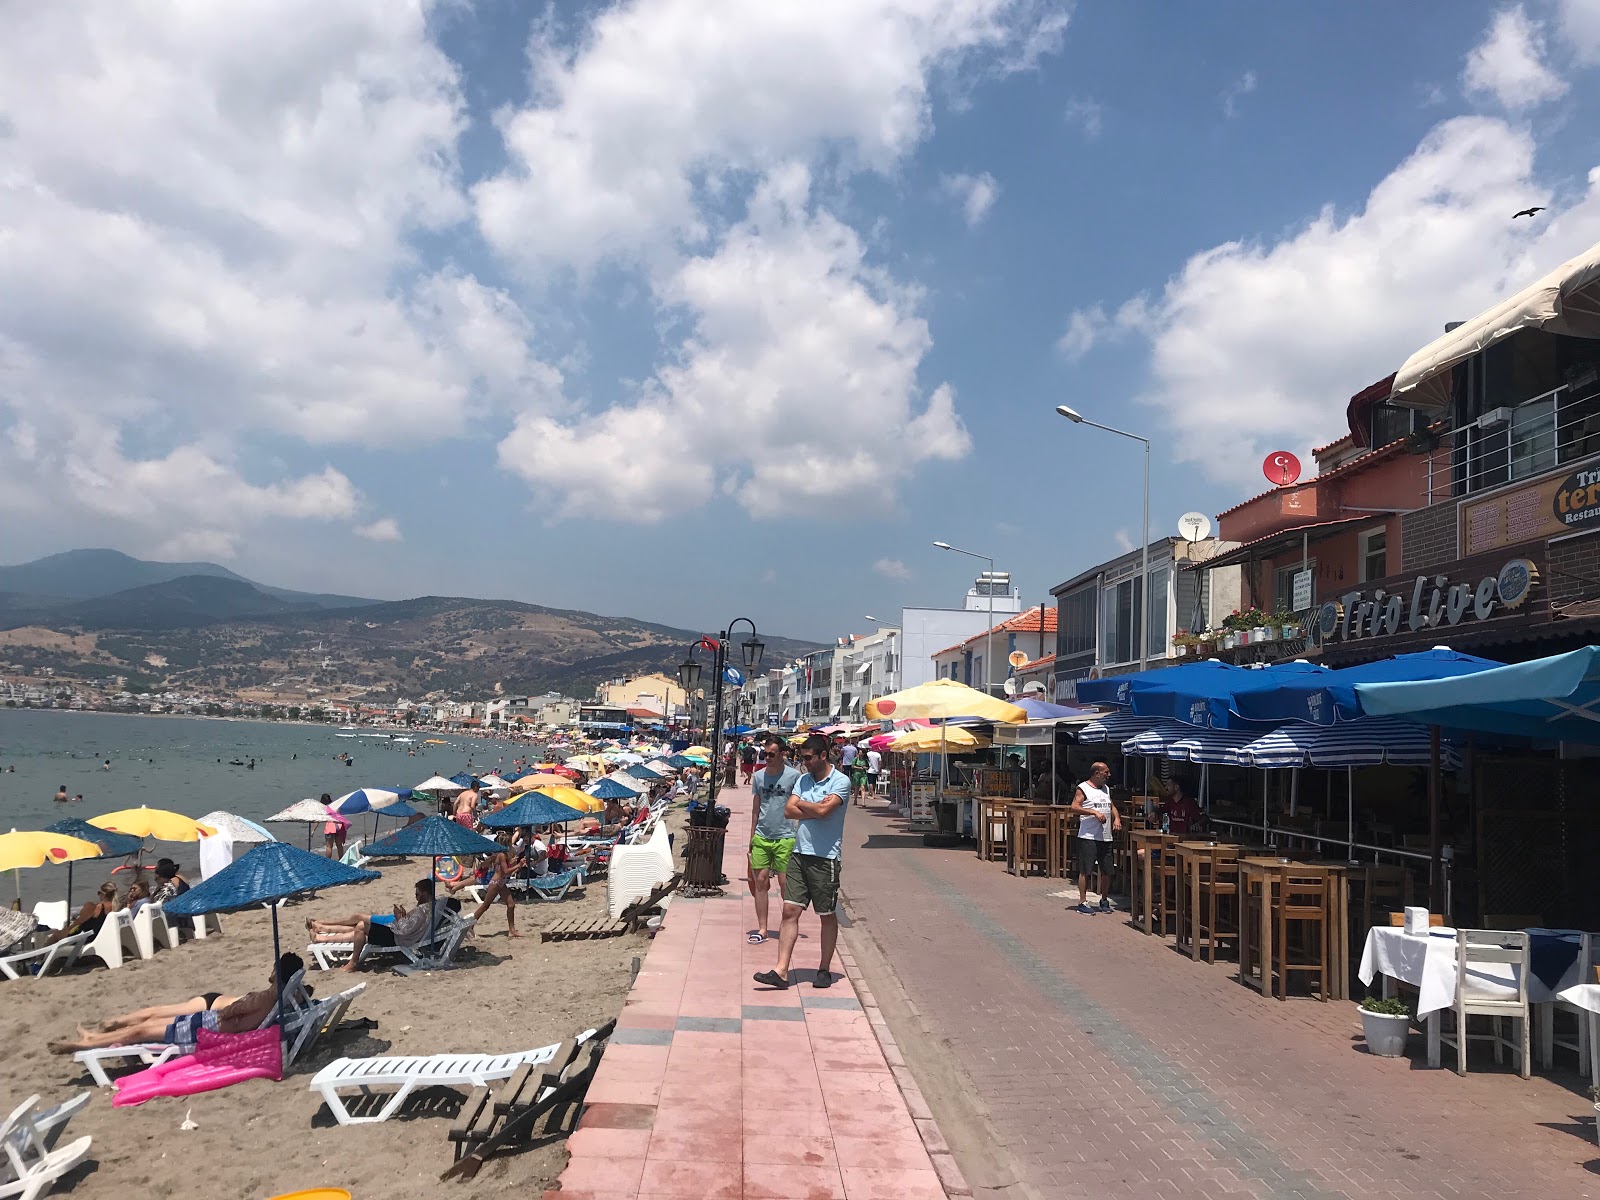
1516,442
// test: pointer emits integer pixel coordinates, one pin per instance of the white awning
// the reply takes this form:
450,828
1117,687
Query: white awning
1565,301
863,669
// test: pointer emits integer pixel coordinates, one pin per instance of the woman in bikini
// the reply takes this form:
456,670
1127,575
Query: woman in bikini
92,915
502,866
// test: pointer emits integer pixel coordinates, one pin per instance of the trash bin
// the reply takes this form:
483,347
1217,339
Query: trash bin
702,856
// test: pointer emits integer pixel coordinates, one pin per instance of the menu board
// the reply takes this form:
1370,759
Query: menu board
922,815
1554,505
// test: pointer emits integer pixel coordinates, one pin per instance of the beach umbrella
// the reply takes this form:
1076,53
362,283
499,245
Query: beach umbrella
440,785
436,838
265,874
532,808
400,812
365,800
16,925
236,828
680,761
571,797
610,789
28,849
491,780
312,813
528,782
155,823
661,766
942,699
644,773
943,740
112,845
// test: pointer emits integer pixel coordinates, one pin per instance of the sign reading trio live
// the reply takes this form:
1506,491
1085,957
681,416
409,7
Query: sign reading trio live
1434,602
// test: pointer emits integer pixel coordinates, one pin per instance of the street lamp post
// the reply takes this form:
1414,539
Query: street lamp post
1141,617
752,648
988,639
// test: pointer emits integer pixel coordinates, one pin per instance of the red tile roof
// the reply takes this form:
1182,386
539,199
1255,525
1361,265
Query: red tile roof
1370,458
1023,622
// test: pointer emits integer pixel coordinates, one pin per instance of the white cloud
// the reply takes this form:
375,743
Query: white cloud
1258,346
1087,115
975,194
1085,328
1578,22
795,390
660,105
1236,91
892,568
1509,65
209,225
1123,539
384,529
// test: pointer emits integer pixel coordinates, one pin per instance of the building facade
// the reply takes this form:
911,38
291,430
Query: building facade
925,631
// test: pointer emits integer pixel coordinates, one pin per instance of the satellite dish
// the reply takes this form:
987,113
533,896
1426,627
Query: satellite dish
1193,526
1017,658
1010,687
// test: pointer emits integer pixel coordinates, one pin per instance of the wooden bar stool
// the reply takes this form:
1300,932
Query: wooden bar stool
1259,878
1063,827
1194,879
1303,927
1164,881
993,828
1146,860
1030,830
1220,916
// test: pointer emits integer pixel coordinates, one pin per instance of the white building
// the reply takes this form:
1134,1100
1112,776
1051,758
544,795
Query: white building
926,631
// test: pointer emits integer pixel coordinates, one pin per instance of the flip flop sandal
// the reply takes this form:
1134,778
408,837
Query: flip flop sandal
755,939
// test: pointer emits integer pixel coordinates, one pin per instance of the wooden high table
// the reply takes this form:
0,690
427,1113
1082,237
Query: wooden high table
1260,876
1192,888
1144,845
1017,811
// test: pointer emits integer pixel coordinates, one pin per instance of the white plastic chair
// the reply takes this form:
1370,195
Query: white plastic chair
116,940
55,957
31,1167
205,925
349,1078
1491,981
52,914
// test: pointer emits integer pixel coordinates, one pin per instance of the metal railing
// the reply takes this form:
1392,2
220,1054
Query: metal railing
1509,443
1272,832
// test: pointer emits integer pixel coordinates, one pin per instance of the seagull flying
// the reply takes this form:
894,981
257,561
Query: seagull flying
1527,212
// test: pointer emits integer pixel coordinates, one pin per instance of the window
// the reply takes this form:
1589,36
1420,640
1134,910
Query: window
1075,622
1155,625
1390,424
1374,550
1533,437
1283,585
1119,602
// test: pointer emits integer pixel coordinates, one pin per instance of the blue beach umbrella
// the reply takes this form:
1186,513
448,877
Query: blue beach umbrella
644,773
436,837
1207,697
681,761
365,800
610,789
532,808
112,845
265,874
1119,689
1330,697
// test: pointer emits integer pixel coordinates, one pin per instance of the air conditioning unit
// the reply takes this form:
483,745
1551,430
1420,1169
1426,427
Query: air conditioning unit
1494,417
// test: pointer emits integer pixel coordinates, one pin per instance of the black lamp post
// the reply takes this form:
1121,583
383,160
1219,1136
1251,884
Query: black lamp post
751,649
689,680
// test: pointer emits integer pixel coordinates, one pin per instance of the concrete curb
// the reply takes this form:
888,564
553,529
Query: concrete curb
950,1176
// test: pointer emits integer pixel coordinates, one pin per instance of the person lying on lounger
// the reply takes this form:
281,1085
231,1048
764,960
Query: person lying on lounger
180,1024
409,928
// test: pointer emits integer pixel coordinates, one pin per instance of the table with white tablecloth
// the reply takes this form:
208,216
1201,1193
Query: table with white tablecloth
1428,963
1587,997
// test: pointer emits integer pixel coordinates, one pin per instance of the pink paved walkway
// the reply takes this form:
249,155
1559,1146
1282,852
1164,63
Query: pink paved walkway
716,1088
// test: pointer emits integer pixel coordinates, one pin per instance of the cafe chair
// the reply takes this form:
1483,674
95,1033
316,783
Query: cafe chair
1301,944
1492,981
1032,852
1551,1038
1221,916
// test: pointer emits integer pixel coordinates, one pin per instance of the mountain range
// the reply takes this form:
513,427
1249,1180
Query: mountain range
199,627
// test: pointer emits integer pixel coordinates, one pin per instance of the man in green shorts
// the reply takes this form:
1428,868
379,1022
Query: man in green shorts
772,833
819,800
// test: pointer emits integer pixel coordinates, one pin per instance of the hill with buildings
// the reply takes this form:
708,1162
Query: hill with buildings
201,632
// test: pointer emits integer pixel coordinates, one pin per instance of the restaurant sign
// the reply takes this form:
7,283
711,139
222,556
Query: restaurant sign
1432,603
1548,507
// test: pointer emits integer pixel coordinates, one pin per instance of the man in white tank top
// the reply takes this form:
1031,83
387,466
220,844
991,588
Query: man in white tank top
1098,819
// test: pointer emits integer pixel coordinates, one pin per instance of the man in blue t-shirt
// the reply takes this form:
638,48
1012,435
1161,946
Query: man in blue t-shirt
772,831
818,802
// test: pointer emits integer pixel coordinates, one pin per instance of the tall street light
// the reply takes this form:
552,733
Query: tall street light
988,638
752,648
1141,615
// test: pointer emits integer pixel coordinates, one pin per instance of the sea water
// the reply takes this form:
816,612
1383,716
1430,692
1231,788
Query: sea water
196,765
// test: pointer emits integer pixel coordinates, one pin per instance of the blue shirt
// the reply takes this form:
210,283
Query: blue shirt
772,797
821,837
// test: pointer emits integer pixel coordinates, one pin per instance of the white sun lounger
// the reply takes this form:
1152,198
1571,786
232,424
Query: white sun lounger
52,914
350,1078
56,957
447,941
30,1166
148,1054
116,940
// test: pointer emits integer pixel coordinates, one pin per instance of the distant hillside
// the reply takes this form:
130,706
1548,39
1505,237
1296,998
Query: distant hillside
90,574
206,633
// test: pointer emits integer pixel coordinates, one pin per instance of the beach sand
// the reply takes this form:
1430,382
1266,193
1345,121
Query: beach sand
261,1138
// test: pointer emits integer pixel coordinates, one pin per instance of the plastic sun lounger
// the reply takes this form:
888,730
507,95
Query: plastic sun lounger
445,946
366,1076
30,1166
550,887
148,1054
116,940
56,957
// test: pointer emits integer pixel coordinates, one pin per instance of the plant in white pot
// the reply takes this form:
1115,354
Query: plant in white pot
1386,1023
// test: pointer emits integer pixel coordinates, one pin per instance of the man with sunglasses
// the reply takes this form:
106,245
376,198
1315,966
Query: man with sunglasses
818,803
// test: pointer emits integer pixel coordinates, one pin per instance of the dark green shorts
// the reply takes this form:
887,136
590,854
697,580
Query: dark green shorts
814,881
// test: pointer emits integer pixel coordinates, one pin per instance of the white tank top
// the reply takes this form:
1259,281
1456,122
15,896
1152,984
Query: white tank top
1096,828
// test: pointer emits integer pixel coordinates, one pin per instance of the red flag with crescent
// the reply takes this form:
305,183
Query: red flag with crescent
710,644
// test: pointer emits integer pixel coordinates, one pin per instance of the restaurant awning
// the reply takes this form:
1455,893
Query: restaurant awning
1567,300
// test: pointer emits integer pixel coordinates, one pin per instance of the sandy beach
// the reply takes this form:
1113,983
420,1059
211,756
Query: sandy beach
260,1138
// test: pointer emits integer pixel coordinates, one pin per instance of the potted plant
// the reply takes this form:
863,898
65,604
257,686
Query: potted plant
1288,626
1386,1025
1185,642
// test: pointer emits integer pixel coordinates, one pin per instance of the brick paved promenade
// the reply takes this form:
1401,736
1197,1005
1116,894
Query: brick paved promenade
715,1088
1109,1065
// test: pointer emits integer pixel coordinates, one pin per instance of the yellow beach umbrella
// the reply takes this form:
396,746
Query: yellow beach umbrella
942,739
942,700
155,823
572,797
28,849
698,750
542,782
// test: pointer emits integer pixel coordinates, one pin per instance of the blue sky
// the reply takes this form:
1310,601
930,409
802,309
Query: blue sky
688,309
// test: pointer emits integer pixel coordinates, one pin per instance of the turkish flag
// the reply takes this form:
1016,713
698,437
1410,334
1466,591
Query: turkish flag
710,644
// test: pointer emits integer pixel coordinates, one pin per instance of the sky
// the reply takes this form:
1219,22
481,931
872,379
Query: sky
695,309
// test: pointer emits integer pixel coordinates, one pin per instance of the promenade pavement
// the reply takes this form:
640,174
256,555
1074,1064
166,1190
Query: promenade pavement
716,1088
1106,1064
